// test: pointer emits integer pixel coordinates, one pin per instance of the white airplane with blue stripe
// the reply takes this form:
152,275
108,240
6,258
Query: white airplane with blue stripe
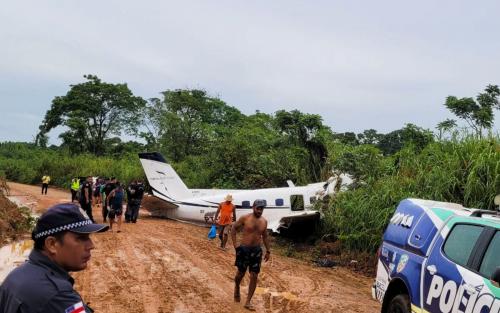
285,205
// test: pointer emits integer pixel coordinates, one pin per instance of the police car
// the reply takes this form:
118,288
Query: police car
439,257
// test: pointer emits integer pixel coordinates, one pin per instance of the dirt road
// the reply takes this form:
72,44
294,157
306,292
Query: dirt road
161,265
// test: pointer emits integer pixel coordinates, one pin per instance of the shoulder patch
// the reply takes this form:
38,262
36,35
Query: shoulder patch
75,308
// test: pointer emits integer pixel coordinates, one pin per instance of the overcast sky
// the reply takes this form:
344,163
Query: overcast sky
359,64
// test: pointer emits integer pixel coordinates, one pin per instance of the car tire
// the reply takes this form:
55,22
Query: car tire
399,304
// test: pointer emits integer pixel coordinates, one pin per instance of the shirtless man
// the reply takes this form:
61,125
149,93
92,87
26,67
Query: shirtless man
249,252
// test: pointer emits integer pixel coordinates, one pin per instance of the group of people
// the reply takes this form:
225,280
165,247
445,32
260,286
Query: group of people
62,244
248,251
110,194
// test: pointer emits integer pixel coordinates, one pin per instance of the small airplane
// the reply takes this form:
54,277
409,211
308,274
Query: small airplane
285,205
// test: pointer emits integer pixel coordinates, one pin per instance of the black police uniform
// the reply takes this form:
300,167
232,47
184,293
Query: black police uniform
87,206
135,192
39,285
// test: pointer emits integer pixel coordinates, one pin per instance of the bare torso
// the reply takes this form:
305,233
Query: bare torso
253,228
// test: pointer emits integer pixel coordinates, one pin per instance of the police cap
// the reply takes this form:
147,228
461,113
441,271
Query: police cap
65,217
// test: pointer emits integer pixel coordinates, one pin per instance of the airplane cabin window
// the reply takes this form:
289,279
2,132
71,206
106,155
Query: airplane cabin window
279,202
297,202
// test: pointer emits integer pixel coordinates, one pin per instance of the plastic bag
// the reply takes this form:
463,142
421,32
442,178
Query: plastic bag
212,233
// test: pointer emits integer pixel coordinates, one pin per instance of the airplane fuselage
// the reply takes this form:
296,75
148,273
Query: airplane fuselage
200,205
287,201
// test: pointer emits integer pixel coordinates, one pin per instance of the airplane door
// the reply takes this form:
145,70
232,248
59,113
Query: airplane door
297,202
448,261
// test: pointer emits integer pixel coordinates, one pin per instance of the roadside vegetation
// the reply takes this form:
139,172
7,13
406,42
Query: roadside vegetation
213,145
14,221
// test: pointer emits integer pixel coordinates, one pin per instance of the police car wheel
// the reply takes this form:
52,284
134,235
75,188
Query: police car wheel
399,304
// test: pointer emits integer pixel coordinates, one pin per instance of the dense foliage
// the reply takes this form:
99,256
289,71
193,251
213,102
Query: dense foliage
214,145
465,171
26,163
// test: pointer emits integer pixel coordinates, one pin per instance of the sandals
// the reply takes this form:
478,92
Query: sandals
249,307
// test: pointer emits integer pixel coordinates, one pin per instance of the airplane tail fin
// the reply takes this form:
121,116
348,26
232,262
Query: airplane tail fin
162,178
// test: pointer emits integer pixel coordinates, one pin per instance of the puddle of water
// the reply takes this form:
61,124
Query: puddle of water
16,200
13,255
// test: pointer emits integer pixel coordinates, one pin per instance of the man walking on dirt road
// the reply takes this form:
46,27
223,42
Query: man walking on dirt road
135,192
75,186
108,187
62,245
115,204
86,197
45,183
249,252
227,214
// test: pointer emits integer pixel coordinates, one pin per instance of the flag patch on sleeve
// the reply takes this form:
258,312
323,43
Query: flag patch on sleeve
75,308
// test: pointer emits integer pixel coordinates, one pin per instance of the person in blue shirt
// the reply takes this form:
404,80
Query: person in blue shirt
115,205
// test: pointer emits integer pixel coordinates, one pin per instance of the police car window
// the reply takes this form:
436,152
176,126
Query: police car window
245,204
461,241
492,257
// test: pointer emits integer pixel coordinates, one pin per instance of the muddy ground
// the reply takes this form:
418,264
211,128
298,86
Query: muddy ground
160,265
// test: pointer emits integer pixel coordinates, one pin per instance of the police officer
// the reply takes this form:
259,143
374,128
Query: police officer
86,197
135,192
62,245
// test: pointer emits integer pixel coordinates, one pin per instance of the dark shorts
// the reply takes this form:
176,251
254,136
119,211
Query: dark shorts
248,257
113,211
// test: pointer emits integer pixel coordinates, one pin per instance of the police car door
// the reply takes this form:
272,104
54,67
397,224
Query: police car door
480,282
452,253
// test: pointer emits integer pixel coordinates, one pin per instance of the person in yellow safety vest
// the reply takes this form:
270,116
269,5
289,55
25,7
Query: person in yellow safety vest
45,183
75,185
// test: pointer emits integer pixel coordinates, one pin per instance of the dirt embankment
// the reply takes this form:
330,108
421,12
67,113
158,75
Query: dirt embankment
160,265
14,222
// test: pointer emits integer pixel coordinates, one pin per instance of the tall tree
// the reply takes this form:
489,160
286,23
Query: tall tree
347,138
154,118
190,120
410,134
93,111
477,113
445,126
305,131
369,137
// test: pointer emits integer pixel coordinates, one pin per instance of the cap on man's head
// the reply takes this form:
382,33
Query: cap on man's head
259,203
228,198
65,217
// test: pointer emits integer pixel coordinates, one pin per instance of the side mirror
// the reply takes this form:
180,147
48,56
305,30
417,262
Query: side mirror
495,277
